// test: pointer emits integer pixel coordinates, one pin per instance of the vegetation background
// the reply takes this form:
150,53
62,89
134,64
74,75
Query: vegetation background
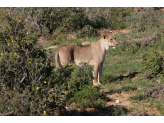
29,85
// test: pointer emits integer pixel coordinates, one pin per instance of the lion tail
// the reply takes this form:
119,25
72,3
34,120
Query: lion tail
57,59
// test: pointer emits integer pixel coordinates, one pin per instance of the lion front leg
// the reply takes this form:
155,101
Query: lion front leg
95,75
100,70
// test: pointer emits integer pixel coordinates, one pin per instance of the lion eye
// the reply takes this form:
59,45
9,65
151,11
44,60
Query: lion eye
111,39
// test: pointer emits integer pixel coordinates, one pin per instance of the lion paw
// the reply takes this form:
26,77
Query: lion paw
96,83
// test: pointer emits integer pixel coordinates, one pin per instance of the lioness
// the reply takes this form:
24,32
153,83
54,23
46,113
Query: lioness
93,54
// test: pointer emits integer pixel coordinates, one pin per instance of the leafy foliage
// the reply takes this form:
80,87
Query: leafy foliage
133,48
155,92
89,97
88,31
138,113
80,78
157,8
27,77
126,88
152,64
107,78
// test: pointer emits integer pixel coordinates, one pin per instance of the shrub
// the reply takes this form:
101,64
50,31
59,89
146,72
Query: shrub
104,17
117,17
157,8
74,41
137,97
138,113
87,31
126,88
29,85
81,77
89,97
133,48
49,20
152,64
155,92
158,43
107,78
46,20
59,39
145,26
80,87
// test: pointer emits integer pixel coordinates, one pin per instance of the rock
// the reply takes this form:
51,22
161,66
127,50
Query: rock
117,101
67,109
158,81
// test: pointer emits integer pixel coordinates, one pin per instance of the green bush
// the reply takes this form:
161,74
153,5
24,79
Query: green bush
89,97
47,20
158,42
157,8
29,85
143,21
138,113
148,19
74,41
117,17
81,77
59,39
152,64
137,97
126,88
104,17
155,92
133,48
107,78
80,87
87,31
56,20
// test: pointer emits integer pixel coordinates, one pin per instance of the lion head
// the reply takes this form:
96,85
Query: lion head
110,40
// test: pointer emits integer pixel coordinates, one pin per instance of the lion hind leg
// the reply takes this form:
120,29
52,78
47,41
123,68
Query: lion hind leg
65,58
96,75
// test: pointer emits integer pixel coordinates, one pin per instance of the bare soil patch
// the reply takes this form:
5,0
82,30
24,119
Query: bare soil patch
120,31
51,47
42,39
69,36
138,60
134,78
115,31
121,99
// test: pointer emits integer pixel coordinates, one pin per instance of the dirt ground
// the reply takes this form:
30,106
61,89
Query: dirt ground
51,47
42,39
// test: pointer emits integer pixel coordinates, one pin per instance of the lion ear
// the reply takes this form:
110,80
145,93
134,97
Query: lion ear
104,35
